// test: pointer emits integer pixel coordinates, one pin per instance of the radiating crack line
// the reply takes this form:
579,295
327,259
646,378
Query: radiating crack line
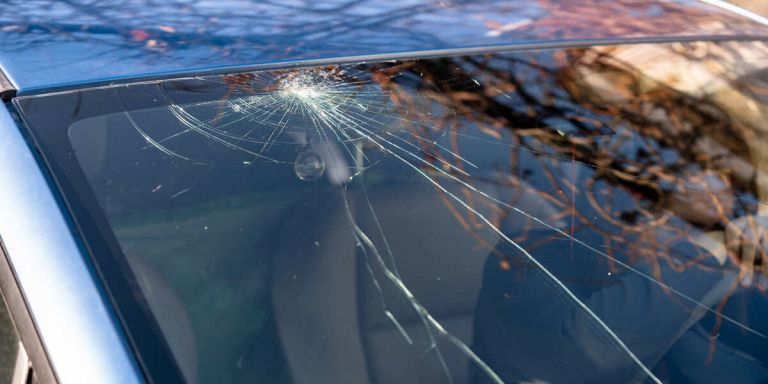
541,267
333,120
340,119
559,231
329,117
424,314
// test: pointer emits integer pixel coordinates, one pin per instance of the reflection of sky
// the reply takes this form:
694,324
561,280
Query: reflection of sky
48,43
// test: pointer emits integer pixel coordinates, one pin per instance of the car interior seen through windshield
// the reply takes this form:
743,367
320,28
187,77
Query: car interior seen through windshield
542,216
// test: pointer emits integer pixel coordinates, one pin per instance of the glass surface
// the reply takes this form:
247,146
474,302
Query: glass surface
579,215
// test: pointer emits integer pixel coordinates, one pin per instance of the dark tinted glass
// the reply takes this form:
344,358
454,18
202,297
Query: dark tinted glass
582,215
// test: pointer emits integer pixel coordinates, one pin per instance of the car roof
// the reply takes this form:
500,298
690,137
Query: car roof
51,44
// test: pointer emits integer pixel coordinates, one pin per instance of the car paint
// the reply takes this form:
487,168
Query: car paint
47,47
55,44
82,338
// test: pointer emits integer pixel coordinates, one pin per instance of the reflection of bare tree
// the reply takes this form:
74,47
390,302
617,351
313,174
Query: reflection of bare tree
676,151
689,158
647,156
182,34
616,145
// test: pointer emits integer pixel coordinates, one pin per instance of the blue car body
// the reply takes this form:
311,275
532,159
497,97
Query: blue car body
48,46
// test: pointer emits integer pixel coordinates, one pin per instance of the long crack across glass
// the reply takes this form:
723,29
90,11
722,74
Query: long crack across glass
577,215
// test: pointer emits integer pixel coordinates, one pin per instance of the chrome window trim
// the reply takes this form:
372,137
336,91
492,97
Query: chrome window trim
82,337
739,10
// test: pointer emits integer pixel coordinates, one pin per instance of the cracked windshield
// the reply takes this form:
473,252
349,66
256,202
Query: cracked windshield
579,215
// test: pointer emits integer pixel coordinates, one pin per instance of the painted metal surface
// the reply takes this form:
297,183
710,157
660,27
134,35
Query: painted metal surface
83,340
50,44
47,43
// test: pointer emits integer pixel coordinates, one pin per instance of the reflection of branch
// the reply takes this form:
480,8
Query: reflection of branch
519,95
566,144
251,30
